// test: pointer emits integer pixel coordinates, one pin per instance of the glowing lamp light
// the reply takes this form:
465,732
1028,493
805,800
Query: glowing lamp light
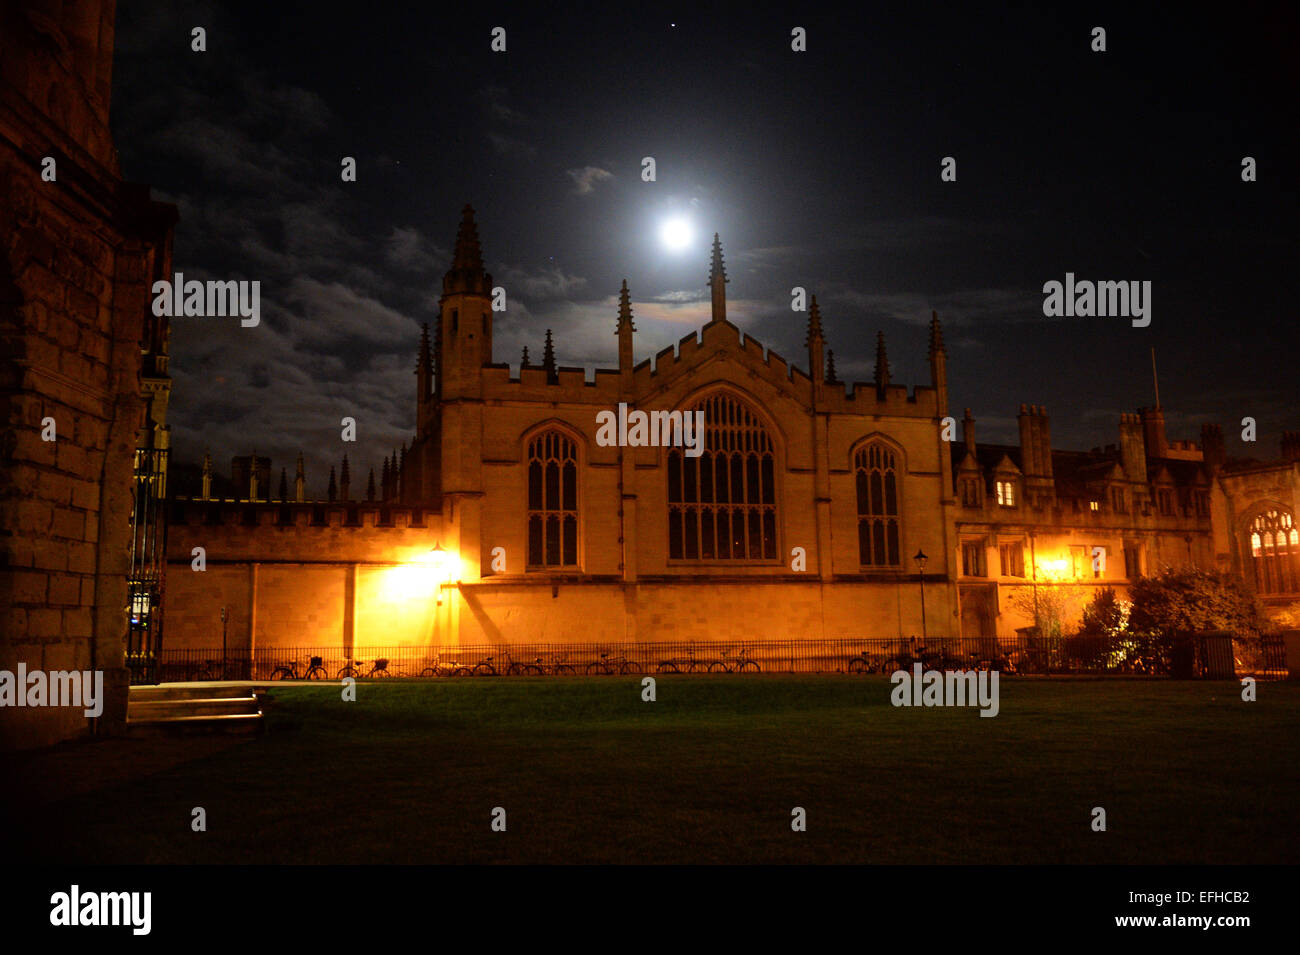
440,562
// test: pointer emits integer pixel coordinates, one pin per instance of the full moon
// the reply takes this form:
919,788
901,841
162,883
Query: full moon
675,234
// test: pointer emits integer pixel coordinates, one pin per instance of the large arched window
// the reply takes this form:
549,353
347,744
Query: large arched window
1275,552
552,500
875,468
722,504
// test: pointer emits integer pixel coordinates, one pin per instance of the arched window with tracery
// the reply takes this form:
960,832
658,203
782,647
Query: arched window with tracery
1275,552
552,500
722,504
875,468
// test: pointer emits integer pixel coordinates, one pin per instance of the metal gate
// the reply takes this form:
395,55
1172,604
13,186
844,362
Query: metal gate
145,574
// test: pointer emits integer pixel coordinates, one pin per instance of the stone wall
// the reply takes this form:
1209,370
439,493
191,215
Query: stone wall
77,255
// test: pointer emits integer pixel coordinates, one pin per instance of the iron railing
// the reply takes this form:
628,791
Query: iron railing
1024,654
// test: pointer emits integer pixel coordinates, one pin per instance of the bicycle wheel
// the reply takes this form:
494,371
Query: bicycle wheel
532,669
347,671
857,665
379,673
462,671
484,669
563,669
717,666
279,673
429,671
316,673
630,666
891,665
668,667
748,666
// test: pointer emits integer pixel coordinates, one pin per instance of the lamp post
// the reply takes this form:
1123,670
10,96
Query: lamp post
438,558
920,559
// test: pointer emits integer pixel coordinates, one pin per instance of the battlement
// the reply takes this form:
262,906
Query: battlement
229,512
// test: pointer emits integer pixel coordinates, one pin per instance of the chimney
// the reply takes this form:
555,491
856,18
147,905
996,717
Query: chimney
1028,442
1043,443
1132,448
1212,450
1153,426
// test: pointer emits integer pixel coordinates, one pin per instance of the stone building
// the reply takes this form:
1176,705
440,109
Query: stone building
803,516
83,376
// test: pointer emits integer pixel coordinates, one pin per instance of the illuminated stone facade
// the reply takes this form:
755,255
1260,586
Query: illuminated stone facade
801,518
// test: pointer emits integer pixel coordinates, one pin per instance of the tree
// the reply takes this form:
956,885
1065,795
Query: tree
1052,607
1097,645
1193,600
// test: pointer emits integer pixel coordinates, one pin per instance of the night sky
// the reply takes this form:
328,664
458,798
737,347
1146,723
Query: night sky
819,169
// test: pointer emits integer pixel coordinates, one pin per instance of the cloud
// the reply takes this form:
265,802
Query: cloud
587,178
541,284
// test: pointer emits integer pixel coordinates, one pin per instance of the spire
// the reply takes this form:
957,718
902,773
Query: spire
424,366
370,485
345,480
384,479
938,364
206,493
468,254
548,357
814,323
300,481
284,484
334,488
466,274
718,282
882,365
831,377
523,361
624,333
936,335
624,311
401,474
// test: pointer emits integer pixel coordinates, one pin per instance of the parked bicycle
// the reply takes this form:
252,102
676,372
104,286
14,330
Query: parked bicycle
515,667
208,670
356,670
866,662
559,666
739,663
608,665
687,664
289,671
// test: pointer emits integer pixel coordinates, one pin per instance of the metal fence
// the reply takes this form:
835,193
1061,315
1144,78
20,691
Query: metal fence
1186,655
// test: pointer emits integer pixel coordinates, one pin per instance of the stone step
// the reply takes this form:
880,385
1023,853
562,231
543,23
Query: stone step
243,724
191,691
217,706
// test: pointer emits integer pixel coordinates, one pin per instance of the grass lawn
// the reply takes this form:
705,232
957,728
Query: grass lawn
587,772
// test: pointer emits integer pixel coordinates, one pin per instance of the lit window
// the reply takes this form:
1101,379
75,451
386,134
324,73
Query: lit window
552,501
1275,552
878,519
722,505
1094,505
1006,493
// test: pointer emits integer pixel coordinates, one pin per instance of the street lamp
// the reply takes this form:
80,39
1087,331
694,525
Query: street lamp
439,559
920,559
